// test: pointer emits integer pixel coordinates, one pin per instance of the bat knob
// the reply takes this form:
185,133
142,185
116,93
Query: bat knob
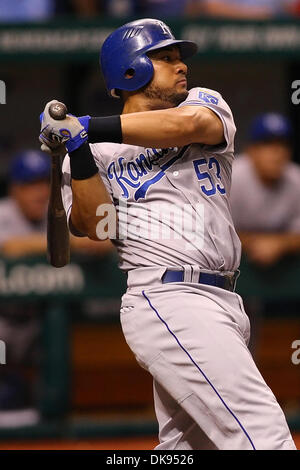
58,111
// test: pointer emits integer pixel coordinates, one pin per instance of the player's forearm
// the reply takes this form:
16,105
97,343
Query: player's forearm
247,238
173,127
262,246
24,246
290,242
88,191
159,129
88,195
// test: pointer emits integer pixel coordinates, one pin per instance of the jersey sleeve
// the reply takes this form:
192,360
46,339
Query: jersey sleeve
66,187
213,100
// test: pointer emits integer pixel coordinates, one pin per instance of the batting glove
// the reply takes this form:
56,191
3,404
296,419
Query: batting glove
68,131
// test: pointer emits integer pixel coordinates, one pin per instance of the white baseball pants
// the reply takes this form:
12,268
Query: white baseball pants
208,392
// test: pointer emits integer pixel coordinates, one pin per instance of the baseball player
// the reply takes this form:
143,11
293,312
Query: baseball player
171,148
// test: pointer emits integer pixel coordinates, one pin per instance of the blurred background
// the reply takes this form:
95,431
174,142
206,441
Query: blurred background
70,380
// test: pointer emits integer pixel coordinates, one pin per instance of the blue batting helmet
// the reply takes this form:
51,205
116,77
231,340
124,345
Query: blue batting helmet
126,50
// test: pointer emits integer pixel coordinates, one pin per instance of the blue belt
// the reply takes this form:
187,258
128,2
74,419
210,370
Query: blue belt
226,281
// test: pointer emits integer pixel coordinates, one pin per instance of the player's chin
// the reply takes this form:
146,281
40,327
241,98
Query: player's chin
179,96
181,87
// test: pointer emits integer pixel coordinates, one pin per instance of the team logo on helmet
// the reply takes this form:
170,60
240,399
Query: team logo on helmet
166,30
131,33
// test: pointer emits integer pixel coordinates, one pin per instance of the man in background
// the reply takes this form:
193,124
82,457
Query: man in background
23,213
265,197
265,192
23,223
22,233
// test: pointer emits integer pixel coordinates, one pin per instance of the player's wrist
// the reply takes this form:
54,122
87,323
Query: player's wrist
105,129
77,141
85,122
82,163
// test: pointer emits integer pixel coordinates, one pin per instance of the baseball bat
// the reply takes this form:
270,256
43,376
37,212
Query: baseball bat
58,242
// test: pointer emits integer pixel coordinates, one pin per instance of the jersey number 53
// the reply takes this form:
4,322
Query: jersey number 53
209,187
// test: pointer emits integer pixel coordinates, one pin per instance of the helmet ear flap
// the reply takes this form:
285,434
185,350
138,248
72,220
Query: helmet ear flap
139,73
128,75
134,76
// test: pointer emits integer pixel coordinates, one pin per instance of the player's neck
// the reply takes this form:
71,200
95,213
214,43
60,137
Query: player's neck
138,103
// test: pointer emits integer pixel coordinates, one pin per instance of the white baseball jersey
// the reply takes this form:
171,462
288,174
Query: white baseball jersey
148,184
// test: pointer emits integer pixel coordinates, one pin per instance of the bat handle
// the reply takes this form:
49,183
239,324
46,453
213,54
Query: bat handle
58,111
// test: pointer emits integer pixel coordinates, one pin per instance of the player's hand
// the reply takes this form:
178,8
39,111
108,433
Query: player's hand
69,131
54,149
265,249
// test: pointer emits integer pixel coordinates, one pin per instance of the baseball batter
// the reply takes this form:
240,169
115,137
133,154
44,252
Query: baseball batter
170,152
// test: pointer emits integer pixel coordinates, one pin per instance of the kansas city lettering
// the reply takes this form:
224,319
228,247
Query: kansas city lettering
129,174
